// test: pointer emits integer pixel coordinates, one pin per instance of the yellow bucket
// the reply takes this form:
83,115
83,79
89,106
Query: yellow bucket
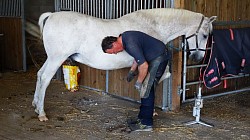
70,74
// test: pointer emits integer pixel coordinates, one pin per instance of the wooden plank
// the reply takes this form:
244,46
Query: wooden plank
177,76
179,3
91,77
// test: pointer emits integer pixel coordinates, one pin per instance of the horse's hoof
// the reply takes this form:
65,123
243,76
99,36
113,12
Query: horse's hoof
42,118
155,113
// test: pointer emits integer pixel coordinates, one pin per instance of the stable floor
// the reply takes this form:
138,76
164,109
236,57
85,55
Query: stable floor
90,115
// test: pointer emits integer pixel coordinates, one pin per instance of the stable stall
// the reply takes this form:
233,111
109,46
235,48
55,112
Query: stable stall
12,38
182,85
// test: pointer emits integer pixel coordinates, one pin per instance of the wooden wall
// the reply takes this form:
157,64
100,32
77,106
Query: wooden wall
11,44
227,11
118,85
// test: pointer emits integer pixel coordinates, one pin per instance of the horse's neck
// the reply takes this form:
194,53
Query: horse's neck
176,26
169,24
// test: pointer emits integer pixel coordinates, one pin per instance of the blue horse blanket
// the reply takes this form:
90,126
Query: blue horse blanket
230,55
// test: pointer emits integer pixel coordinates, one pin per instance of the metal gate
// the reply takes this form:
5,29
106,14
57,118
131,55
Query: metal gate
109,9
186,67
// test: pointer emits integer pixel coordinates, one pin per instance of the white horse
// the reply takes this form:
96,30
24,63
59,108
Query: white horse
77,35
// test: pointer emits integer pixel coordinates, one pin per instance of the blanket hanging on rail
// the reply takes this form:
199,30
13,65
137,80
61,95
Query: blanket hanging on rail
230,55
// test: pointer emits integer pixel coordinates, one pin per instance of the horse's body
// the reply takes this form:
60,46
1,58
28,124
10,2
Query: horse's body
73,34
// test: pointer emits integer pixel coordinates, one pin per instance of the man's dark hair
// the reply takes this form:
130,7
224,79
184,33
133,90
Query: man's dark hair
107,42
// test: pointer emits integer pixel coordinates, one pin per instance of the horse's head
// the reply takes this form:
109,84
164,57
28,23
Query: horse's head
196,38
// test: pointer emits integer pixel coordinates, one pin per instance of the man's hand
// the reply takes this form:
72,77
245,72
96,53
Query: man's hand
138,86
131,75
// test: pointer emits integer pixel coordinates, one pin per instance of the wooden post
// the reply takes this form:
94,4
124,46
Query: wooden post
177,68
176,74
179,4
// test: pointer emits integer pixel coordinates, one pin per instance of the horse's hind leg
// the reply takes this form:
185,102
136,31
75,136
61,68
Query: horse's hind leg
38,84
44,77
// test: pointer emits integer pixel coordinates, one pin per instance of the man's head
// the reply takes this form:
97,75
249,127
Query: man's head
112,45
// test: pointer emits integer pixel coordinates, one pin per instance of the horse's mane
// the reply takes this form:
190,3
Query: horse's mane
168,13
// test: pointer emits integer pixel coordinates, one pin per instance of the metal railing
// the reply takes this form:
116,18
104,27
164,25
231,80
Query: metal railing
11,8
108,9
185,67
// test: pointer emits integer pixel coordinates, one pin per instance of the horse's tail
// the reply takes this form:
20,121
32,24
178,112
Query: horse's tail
42,20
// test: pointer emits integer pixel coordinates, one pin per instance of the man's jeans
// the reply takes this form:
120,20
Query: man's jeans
147,104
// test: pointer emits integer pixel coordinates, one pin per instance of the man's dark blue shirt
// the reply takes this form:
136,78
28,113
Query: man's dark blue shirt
142,46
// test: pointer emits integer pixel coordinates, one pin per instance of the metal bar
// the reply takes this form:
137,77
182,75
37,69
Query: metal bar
161,4
134,5
94,8
97,2
219,94
4,8
120,9
55,5
126,6
130,6
91,8
9,7
184,76
170,92
16,8
224,78
164,95
103,14
137,5
113,9
107,81
87,7
12,11
107,9
196,66
82,6
1,7
74,6
171,3
62,4
99,15
23,37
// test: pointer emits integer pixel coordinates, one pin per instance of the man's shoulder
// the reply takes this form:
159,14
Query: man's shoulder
134,32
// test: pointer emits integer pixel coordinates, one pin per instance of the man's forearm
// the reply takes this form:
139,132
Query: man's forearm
143,70
134,66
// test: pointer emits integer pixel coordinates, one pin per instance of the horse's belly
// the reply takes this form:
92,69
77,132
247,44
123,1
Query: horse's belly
106,62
